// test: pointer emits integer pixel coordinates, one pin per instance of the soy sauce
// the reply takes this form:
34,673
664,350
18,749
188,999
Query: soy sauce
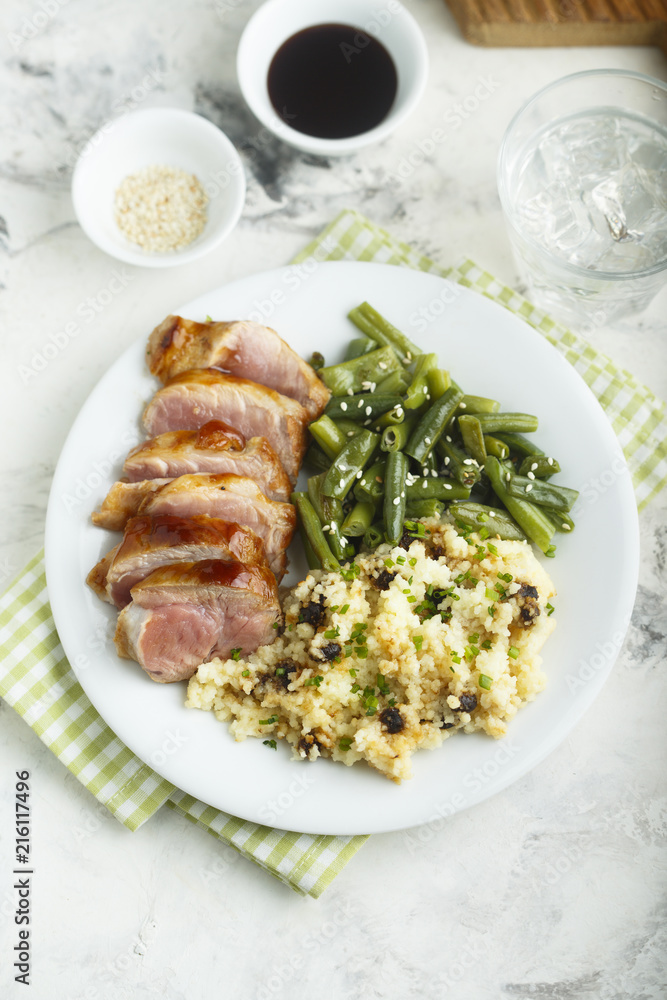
332,81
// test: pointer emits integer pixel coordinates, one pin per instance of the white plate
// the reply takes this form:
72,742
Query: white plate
490,352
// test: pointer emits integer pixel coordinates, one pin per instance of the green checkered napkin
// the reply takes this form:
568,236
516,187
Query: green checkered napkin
37,681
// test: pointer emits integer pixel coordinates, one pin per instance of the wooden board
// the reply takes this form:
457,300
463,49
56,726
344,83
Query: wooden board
562,22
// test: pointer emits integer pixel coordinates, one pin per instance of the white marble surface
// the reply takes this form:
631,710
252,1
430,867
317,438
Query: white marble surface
553,889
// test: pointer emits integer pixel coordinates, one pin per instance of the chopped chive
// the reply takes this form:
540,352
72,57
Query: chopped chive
492,548
245,673
345,744
345,608
268,722
270,743
236,654
485,681
550,610
352,672
280,671
313,681
418,640
513,652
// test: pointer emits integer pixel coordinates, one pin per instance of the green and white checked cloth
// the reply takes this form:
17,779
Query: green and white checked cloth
38,682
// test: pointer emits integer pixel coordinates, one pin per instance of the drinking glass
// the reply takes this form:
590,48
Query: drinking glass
582,177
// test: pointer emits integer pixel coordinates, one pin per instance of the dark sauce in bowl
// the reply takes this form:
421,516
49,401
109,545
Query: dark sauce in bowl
332,81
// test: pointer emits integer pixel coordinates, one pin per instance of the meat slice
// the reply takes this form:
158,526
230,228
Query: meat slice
192,399
240,347
164,539
123,502
231,498
215,448
182,615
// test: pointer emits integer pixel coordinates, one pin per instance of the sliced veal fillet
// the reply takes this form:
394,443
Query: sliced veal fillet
190,400
164,539
182,615
240,347
231,498
214,448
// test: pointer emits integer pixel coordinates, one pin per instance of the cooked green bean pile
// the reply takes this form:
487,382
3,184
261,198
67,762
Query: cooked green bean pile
400,441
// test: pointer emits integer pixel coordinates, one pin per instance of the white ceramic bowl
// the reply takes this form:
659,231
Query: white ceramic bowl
164,136
278,20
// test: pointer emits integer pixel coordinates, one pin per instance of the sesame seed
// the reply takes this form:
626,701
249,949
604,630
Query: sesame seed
468,461
403,493
359,474
397,500
533,467
447,486
462,406
425,389
434,473
382,365
427,440
350,392
399,410
529,487
447,438
367,422
424,485
341,484
343,406
550,461
531,475
368,411
565,526
160,208
447,460
507,477
361,403
424,471
350,434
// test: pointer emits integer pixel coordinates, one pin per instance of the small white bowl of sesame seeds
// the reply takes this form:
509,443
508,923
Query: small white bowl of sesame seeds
158,187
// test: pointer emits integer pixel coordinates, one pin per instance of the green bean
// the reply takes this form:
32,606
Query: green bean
429,487
312,530
424,508
391,417
395,382
479,404
359,346
540,466
490,521
362,407
348,463
370,486
311,558
473,438
397,339
438,382
432,424
457,463
561,521
316,361
512,422
394,494
330,512
529,517
359,520
494,446
350,428
418,389
316,459
353,374
542,493
520,445
395,436
374,536
328,435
